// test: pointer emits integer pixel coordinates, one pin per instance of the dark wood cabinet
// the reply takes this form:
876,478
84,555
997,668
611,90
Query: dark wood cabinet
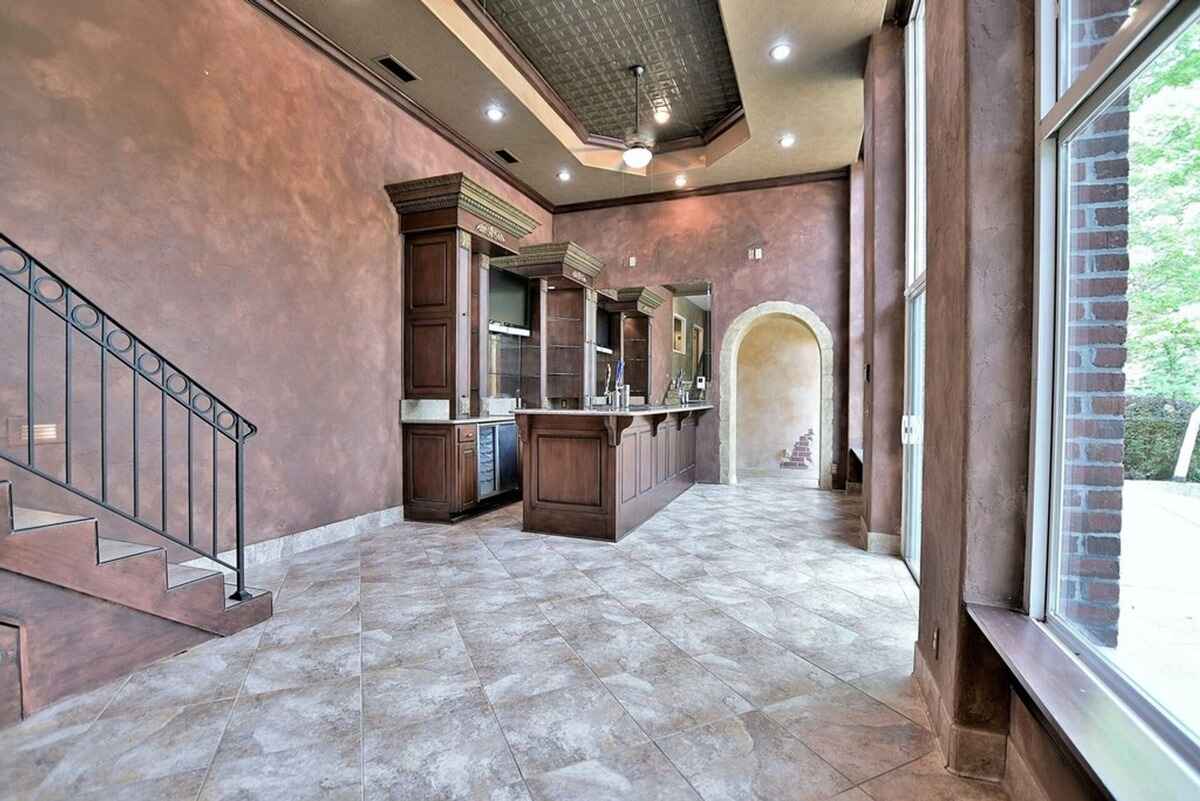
468,476
601,476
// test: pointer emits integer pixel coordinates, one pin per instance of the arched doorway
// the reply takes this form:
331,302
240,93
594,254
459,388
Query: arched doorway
730,347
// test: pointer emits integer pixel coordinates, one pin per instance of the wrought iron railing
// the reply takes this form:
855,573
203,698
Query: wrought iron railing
118,349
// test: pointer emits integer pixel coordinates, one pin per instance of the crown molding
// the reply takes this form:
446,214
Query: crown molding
840,174
457,191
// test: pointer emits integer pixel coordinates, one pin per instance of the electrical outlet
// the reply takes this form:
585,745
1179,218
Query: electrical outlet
633,261
758,254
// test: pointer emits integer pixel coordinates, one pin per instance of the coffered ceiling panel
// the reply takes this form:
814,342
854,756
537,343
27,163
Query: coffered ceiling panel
584,48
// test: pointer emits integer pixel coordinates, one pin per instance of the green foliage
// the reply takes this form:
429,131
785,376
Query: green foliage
1164,224
1154,431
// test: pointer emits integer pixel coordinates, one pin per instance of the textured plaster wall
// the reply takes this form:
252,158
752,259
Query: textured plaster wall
854,393
779,391
883,280
217,185
803,230
980,267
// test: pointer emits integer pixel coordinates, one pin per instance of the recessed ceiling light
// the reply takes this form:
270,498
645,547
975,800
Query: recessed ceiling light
781,51
564,175
681,181
494,113
787,140
662,116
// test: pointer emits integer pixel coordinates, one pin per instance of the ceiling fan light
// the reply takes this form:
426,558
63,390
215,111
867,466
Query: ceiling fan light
636,157
662,116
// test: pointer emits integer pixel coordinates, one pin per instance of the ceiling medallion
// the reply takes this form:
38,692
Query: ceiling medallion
636,155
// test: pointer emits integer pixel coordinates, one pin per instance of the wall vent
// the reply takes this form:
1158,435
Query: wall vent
506,157
402,73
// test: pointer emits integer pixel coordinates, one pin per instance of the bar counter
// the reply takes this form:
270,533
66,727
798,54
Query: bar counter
600,473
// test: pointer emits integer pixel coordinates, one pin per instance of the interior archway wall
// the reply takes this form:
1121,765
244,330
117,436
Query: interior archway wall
730,346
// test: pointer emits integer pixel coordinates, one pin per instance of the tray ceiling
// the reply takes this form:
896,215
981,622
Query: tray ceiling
455,50
584,48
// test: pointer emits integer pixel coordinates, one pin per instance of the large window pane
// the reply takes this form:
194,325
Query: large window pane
1128,541
1091,23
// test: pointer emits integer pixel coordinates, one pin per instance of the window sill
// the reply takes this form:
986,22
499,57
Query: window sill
1112,744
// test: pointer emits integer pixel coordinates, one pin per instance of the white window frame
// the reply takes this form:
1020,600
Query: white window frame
914,144
1062,110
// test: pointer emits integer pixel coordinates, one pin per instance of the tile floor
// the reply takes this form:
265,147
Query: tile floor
736,646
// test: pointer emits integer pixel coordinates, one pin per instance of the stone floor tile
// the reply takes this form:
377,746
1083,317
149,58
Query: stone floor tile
610,648
303,663
928,780
433,639
856,734
401,696
897,688
142,746
674,694
794,628
564,585
311,623
322,772
207,672
602,608
528,668
641,773
751,757
453,757
561,727
322,714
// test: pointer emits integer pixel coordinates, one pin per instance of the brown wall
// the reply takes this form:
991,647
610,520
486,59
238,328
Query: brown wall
217,185
883,284
854,403
980,267
803,230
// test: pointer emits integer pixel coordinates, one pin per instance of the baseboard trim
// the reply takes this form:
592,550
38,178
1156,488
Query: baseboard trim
288,545
968,752
877,541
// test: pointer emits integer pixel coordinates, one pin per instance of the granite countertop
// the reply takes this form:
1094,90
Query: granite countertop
445,421
635,411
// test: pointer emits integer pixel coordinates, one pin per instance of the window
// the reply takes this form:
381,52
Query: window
1115,485
913,423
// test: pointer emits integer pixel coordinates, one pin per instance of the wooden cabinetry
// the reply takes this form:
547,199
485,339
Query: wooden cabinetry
467,485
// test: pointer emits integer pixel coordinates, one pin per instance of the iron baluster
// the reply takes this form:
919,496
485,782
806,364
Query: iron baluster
67,388
81,316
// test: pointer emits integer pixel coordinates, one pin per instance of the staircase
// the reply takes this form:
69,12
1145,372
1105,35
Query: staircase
87,608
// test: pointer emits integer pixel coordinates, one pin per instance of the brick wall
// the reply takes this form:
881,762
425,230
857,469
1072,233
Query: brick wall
1090,568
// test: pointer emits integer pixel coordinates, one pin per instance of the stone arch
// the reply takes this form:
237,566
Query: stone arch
730,345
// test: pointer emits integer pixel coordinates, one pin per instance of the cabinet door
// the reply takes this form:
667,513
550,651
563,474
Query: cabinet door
468,474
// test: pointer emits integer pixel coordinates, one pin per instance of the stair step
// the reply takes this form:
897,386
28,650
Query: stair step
178,575
112,550
27,519
230,588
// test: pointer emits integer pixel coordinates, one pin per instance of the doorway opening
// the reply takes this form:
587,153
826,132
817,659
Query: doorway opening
776,373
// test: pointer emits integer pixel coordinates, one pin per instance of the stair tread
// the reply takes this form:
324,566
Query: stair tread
229,589
26,519
111,550
183,574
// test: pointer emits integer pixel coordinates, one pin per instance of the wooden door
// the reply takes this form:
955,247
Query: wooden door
10,675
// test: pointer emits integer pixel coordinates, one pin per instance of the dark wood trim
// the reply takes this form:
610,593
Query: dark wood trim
840,174
358,69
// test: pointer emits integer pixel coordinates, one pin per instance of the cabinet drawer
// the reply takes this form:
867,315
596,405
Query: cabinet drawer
466,433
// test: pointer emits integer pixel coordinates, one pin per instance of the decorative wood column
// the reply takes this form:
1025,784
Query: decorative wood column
447,221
